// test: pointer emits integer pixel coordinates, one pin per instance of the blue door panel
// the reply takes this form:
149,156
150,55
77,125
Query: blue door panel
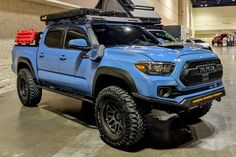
71,63
49,63
50,60
49,77
75,83
74,71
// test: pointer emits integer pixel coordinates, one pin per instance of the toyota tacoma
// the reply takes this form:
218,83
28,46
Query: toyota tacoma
113,63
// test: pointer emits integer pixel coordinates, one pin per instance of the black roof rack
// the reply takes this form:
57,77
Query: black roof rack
78,15
71,14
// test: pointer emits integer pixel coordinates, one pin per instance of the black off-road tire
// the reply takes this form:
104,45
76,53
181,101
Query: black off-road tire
196,113
29,94
134,123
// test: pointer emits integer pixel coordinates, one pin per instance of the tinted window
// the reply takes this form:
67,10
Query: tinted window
163,37
75,33
118,35
54,38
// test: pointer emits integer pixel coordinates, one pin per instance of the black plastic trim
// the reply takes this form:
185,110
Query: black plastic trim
119,73
67,92
175,92
27,62
174,106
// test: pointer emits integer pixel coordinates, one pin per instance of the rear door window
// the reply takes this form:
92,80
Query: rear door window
54,37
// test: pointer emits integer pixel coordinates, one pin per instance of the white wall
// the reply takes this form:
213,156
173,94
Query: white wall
215,18
212,21
19,14
167,9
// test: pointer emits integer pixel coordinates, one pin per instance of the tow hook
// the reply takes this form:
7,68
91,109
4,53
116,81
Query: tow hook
218,99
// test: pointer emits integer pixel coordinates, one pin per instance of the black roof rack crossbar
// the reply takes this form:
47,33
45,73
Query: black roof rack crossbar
114,14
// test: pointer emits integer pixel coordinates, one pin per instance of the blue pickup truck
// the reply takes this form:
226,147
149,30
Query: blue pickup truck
120,67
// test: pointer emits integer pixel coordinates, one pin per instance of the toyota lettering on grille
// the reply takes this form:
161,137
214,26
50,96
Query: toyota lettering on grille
206,69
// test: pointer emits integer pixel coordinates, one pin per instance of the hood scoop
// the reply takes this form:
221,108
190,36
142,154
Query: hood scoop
178,45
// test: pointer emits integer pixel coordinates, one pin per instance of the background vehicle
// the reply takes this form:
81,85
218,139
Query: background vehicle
217,40
199,43
125,77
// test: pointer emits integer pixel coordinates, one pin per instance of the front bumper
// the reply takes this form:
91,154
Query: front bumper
185,105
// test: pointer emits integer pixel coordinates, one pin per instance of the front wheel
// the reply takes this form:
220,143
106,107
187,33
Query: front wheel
29,94
197,113
118,118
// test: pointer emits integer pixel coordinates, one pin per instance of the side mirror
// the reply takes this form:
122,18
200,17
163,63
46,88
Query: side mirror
79,44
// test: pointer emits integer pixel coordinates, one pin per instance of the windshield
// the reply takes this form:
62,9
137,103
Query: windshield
198,41
163,37
123,35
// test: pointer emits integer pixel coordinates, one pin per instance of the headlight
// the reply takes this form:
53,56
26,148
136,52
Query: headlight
155,68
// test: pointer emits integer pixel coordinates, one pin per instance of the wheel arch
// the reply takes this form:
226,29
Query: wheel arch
25,63
113,74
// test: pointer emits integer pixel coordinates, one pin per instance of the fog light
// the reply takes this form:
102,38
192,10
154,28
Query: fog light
164,92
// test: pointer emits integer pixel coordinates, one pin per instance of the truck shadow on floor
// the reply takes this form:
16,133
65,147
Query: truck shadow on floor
174,132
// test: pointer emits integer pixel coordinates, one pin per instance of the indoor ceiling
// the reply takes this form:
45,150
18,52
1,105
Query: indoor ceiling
213,3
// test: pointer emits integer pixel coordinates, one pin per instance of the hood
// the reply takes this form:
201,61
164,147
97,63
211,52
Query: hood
159,53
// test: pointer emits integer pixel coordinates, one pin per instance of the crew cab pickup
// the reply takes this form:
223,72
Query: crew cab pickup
118,66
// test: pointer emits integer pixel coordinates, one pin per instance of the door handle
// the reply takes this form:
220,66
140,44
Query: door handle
63,57
41,55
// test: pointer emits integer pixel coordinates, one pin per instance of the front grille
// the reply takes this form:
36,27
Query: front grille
194,64
191,76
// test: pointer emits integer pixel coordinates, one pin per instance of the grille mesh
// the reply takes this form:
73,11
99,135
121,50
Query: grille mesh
194,78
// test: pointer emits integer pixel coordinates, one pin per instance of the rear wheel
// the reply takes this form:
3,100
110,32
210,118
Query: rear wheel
197,113
29,94
118,118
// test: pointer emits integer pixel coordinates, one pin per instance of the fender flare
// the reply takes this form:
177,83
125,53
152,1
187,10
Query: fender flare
115,72
28,63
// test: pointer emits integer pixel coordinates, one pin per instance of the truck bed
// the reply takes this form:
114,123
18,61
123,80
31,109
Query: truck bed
27,52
